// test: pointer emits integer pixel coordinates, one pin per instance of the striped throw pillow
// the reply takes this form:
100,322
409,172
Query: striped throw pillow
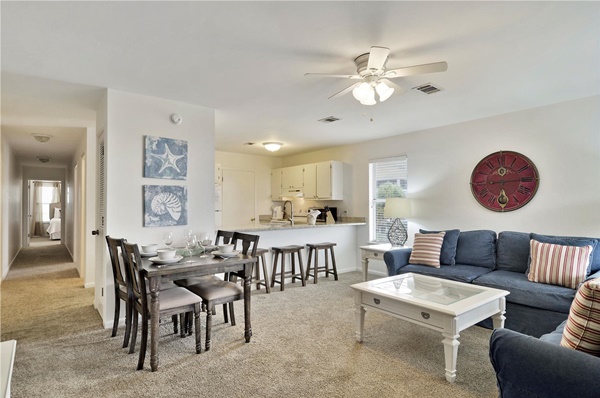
557,264
582,331
426,249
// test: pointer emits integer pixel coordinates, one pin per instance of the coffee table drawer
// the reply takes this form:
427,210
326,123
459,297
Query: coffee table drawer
403,309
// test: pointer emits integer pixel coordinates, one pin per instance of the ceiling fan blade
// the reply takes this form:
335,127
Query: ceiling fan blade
344,91
330,75
377,58
417,70
397,89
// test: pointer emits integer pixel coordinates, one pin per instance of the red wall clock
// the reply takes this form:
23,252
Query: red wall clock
504,181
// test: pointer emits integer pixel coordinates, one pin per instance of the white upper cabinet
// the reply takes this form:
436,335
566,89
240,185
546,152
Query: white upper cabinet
276,191
330,180
310,181
292,177
324,180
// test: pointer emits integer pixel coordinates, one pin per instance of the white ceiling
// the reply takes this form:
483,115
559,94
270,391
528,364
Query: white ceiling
247,61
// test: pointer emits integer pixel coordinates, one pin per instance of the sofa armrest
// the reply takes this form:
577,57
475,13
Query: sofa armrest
528,367
396,259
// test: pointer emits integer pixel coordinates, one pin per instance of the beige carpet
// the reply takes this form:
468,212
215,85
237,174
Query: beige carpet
303,346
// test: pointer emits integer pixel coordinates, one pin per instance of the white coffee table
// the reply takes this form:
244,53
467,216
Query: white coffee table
436,303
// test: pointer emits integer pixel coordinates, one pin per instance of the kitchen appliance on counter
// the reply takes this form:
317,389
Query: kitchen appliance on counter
322,217
276,212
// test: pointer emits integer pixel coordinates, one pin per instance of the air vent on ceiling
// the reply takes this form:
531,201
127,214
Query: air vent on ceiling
428,88
329,119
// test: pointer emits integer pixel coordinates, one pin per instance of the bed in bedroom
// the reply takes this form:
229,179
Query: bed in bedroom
54,228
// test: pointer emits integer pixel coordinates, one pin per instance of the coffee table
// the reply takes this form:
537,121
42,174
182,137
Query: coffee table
439,304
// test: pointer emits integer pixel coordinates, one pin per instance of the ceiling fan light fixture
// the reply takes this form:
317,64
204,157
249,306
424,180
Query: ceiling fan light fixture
384,91
272,146
370,99
362,91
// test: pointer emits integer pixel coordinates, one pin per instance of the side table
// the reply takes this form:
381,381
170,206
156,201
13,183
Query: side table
374,252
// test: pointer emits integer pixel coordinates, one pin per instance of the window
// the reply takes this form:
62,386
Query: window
387,179
47,198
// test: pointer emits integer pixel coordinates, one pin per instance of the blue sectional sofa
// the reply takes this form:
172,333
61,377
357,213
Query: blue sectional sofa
485,258
530,367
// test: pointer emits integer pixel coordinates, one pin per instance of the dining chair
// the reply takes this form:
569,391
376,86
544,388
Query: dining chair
121,286
215,291
173,301
222,237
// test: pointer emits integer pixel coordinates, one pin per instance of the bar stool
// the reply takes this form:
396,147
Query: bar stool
292,249
313,248
260,253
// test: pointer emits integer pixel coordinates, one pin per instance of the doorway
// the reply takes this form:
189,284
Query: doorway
44,211
239,198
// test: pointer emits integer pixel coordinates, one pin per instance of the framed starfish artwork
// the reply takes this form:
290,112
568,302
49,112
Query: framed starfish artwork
165,158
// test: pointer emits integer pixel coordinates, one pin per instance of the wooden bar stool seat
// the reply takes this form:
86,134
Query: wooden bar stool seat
260,253
291,250
313,251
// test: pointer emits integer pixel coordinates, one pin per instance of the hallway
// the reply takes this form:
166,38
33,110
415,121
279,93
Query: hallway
43,297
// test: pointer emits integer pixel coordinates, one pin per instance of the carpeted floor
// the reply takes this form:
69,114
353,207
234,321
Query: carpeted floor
303,346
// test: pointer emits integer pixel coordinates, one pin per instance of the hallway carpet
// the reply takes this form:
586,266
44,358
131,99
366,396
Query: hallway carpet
303,346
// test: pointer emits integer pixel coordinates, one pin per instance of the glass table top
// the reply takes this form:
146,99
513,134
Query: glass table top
435,290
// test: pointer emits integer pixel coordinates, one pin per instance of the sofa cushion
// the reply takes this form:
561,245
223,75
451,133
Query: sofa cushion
582,331
448,254
512,251
573,241
477,248
558,265
555,336
426,249
531,294
460,273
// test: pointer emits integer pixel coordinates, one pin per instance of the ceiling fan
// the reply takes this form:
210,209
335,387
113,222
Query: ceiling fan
371,69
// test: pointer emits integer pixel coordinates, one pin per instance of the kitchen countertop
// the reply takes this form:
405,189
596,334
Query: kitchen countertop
267,226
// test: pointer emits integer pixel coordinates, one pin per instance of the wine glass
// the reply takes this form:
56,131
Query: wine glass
168,238
191,244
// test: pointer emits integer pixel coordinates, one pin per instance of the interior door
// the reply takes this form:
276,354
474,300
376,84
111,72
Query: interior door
239,198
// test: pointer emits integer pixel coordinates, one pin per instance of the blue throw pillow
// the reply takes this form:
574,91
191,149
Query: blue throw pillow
448,253
567,241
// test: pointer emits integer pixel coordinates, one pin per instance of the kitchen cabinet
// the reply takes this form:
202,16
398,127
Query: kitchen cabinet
276,184
324,180
292,177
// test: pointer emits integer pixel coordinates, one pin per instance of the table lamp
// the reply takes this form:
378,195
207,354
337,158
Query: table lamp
397,208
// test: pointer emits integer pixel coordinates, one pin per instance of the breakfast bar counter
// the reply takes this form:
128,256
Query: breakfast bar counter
344,234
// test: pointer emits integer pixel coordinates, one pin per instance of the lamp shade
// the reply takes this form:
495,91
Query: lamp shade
397,208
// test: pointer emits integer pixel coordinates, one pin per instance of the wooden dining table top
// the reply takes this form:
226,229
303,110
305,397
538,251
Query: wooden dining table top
195,265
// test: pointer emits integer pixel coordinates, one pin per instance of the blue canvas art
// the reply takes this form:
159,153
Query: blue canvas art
165,205
165,158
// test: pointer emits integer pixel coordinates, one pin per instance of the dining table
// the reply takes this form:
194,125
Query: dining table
194,266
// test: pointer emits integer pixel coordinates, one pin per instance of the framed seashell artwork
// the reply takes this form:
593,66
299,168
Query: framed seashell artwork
165,205
165,158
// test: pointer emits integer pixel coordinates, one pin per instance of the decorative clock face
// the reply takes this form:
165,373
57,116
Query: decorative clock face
504,181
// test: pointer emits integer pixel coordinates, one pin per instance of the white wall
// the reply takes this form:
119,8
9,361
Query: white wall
11,196
129,117
563,141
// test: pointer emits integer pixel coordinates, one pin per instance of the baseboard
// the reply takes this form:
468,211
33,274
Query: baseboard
89,285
